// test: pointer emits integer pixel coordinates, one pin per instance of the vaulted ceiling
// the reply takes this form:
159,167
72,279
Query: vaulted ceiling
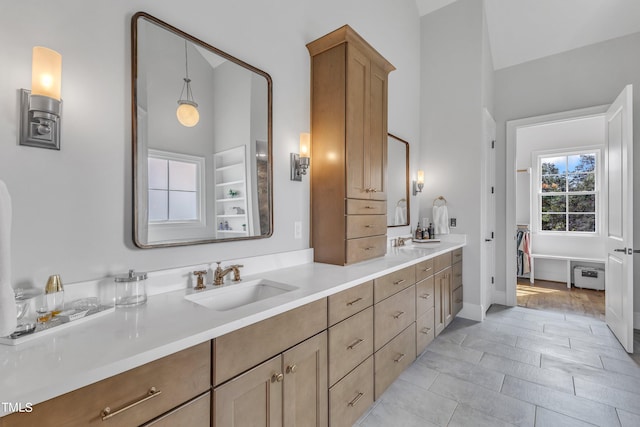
523,30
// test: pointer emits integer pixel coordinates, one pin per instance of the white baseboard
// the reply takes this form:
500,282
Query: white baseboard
471,312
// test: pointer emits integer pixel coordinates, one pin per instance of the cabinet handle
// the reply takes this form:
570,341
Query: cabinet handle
425,330
106,412
291,369
425,296
373,190
369,207
368,248
397,282
277,378
368,226
356,399
355,344
427,269
354,301
402,355
398,315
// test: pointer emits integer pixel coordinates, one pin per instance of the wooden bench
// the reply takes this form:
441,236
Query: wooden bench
565,258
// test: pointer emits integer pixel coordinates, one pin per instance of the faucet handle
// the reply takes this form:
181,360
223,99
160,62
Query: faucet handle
236,271
200,284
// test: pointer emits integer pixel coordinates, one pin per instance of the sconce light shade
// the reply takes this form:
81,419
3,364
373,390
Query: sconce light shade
46,72
418,184
41,108
300,162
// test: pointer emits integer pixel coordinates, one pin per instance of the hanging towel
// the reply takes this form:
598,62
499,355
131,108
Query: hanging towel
401,216
7,296
441,219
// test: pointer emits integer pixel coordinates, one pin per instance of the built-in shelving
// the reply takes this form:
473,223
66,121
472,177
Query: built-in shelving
231,211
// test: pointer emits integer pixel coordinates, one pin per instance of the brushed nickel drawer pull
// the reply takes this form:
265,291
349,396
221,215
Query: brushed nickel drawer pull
277,377
368,226
369,207
368,248
106,412
425,330
398,315
291,369
374,190
425,296
354,301
402,355
356,399
355,344
397,282
427,269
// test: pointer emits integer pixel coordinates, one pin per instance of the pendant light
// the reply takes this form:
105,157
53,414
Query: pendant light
187,111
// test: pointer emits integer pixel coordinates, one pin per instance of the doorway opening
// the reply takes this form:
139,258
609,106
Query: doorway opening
557,208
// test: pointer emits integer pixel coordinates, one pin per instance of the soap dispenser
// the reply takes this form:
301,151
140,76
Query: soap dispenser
54,294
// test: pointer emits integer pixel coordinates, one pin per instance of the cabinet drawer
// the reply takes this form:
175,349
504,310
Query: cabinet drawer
425,332
365,207
424,269
366,248
351,396
85,406
425,295
393,315
196,413
349,302
366,225
441,262
456,255
456,280
393,358
393,282
240,350
456,301
350,342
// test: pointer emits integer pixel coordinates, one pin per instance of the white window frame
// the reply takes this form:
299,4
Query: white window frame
536,182
200,189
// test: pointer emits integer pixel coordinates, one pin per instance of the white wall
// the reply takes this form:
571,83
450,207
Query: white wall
585,77
456,82
73,208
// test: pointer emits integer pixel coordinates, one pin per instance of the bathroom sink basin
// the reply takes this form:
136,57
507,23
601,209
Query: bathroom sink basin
240,294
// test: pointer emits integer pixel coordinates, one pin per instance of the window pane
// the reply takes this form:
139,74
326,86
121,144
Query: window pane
582,163
158,200
182,206
584,203
182,176
158,177
554,165
582,222
553,183
554,222
554,203
582,182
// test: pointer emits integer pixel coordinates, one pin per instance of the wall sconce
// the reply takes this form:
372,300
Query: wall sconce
418,184
41,107
300,162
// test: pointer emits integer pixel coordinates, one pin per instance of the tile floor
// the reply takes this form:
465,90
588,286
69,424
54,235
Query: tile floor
520,367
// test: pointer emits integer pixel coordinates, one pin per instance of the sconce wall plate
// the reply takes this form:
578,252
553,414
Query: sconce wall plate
295,167
40,118
417,187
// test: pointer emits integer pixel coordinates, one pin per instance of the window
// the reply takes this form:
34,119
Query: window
568,192
174,187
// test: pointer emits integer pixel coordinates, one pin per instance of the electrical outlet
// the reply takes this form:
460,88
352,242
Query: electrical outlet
297,230
452,222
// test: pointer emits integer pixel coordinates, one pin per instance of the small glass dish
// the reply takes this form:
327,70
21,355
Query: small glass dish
83,304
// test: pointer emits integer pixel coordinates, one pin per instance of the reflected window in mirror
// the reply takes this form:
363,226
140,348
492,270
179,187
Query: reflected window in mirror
211,182
398,209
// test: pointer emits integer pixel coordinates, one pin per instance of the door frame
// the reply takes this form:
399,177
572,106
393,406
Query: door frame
510,297
488,212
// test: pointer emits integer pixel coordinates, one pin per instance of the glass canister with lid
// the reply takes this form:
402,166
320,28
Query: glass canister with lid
131,289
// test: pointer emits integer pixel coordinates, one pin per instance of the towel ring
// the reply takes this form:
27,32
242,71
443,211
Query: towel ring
400,202
440,198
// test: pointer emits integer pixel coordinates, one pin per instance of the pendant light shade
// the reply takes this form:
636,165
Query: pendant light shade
187,112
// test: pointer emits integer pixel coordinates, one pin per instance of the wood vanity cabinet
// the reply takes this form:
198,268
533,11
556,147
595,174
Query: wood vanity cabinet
425,305
274,372
175,379
456,283
442,288
349,148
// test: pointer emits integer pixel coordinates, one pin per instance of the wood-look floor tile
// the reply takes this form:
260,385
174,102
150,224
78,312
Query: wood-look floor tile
463,370
465,416
627,367
591,359
547,418
387,414
611,396
426,404
513,353
627,419
455,351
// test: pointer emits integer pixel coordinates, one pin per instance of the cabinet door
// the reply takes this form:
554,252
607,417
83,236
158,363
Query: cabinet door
251,399
195,413
377,141
440,302
305,383
446,293
358,116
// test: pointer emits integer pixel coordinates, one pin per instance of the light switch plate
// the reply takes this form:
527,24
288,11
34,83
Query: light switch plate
452,222
297,233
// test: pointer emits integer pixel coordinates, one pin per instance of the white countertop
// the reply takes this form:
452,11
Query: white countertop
49,366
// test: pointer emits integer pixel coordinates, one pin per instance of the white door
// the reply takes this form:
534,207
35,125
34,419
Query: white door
619,218
488,256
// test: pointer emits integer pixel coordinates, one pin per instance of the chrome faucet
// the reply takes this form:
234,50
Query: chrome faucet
219,273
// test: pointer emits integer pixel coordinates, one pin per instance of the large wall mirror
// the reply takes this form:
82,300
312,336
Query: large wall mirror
398,182
201,141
